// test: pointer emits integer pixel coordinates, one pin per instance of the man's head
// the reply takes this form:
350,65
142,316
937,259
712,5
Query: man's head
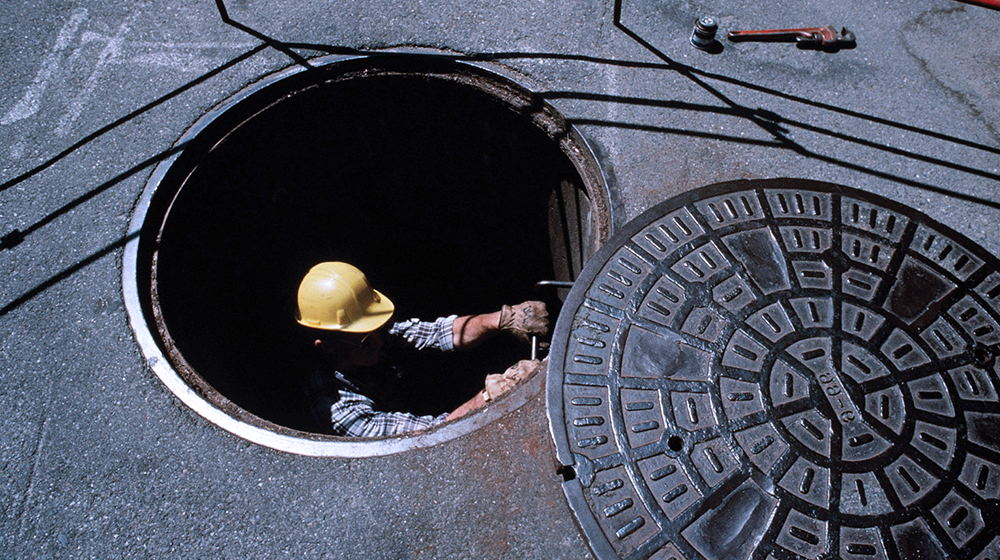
342,312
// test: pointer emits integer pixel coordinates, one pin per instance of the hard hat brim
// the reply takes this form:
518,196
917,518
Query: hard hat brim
376,315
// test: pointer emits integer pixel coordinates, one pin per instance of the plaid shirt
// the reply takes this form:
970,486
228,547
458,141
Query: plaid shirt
340,404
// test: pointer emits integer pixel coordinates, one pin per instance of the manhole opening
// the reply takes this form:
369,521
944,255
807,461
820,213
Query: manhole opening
455,189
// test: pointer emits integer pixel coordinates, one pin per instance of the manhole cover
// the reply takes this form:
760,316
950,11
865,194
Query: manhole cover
782,369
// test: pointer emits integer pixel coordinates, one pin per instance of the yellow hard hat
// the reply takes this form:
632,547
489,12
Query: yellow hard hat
336,296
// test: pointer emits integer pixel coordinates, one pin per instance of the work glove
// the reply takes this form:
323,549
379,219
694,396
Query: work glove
525,320
499,383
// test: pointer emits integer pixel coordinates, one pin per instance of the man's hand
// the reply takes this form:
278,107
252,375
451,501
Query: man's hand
499,383
525,320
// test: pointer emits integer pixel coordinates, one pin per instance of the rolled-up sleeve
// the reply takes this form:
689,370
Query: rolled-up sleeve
423,335
353,416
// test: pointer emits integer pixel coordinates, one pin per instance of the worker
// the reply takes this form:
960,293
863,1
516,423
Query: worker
349,324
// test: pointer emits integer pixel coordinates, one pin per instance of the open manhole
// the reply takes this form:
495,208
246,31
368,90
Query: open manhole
782,369
454,188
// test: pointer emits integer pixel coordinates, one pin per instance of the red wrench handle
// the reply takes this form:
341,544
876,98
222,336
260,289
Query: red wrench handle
773,34
994,4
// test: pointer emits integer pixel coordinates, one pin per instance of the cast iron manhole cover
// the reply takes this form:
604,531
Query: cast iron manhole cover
782,369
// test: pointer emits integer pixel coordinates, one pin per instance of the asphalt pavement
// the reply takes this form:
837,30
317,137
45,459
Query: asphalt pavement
100,459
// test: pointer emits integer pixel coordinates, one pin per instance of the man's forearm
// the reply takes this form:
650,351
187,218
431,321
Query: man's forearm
468,406
470,330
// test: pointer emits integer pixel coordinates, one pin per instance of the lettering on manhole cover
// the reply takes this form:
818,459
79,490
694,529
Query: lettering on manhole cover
782,369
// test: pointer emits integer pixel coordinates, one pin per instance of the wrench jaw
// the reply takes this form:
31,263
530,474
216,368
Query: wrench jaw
827,39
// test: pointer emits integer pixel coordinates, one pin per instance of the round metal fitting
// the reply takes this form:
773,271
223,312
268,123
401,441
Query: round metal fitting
782,369
703,34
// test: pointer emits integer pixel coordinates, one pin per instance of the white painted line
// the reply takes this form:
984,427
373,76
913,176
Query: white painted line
31,101
108,54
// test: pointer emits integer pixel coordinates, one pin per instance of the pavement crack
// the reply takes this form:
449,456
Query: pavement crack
36,455
921,26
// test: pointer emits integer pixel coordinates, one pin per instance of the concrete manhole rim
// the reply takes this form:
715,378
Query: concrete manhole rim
260,431
569,422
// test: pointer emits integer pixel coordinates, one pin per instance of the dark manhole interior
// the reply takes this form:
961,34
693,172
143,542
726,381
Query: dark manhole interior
782,369
453,189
